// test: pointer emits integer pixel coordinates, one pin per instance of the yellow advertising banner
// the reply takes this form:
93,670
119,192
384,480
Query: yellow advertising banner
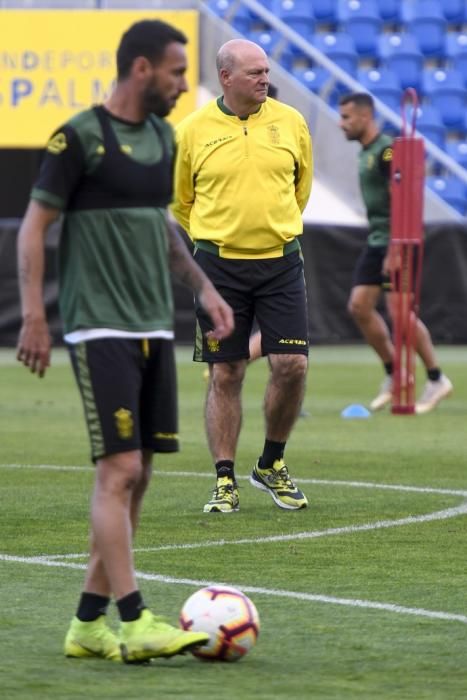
56,63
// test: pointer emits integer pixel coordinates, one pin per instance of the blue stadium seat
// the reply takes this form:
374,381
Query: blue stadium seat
430,124
451,190
400,53
361,20
446,92
340,48
389,11
297,14
383,84
237,15
426,21
326,12
456,43
314,78
454,11
274,45
322,83
458,152
456,52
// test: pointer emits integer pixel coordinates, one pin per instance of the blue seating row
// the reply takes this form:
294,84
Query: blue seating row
425,16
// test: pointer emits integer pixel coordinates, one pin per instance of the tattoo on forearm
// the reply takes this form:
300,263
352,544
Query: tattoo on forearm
182,264
24,270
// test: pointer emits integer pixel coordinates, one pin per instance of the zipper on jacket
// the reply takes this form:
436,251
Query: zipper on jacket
245,133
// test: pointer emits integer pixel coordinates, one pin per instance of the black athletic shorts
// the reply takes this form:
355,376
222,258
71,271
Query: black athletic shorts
272,290
129,393
368,270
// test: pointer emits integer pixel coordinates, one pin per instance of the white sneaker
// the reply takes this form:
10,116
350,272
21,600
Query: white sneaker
385,395
433,393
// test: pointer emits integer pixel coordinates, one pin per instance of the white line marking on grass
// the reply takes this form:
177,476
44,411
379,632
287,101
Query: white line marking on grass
62,561
209,475
313,534
278,593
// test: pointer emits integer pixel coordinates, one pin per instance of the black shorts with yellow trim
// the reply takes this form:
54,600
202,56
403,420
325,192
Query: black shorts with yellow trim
369,270
129,393
272,290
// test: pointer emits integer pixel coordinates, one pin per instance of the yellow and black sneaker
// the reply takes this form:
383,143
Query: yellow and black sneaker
277,482
151,637
91,640
224,497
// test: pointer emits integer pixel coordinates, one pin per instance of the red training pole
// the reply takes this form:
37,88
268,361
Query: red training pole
406,254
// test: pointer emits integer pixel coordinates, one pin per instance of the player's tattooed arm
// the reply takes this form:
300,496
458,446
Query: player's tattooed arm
188,272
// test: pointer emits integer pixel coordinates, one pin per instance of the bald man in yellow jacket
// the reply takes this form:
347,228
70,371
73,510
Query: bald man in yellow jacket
242,179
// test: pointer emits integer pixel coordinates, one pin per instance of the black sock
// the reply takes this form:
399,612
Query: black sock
388,366
433,374
130,606
91,606
271,452
225,467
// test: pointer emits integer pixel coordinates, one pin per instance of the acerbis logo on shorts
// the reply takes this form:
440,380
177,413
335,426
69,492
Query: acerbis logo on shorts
124,423
166,436
292,341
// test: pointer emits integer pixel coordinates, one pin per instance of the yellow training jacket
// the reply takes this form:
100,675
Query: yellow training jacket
242,184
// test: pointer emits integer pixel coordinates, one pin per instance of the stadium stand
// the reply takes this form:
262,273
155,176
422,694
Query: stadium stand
383,84
445,90
455,11
451,190
326,12
297,14
431,125
456,52
390,11
363,23
458,151
425,20
400,53
340,48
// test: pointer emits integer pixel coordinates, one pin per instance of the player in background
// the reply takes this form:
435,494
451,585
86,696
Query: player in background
371,273
109,171
242,179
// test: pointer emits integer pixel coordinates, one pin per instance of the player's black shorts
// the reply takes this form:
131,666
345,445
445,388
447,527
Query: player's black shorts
369,270
129,393
272,290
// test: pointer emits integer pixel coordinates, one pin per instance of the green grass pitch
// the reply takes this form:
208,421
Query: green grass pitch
361,596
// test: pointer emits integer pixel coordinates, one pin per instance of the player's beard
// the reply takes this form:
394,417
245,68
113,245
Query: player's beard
155,103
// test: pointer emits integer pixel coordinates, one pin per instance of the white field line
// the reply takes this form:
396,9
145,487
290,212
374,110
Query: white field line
278,593
60,560
313,534
209,475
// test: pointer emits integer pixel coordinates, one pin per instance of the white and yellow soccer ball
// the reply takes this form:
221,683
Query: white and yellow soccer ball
228,616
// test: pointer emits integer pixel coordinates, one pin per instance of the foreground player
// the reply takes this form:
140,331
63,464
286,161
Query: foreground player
372,269
110,171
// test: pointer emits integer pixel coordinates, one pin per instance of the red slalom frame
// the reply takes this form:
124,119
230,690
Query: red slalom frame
406,254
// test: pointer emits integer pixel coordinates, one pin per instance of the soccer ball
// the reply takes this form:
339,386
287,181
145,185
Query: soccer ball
230,618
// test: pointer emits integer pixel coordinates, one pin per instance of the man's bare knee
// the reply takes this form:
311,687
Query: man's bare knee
289,368
228,374
122,471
